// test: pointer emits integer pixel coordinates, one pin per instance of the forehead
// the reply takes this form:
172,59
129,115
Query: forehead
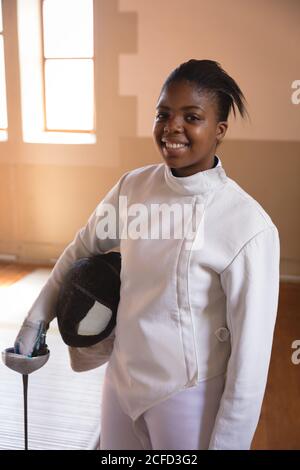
183,95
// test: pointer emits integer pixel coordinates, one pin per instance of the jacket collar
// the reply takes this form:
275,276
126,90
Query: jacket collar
199,183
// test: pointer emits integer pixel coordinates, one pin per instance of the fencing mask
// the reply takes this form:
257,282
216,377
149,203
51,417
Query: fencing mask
88,300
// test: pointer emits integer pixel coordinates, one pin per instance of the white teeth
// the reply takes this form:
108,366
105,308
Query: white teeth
175,146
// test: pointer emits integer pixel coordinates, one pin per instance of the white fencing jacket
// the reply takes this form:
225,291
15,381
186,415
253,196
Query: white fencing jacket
190,308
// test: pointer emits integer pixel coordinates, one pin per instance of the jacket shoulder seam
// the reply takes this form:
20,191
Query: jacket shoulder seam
270,227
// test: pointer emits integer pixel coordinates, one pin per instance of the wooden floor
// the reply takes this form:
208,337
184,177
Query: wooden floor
279,425
10,273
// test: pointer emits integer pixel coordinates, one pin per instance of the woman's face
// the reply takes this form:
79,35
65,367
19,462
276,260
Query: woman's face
187,117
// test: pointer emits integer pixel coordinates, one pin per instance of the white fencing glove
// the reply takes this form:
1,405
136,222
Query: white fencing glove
31,337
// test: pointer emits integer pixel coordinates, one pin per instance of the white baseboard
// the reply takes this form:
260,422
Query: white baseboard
4,257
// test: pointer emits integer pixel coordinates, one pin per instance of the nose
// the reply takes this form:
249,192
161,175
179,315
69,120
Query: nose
173,124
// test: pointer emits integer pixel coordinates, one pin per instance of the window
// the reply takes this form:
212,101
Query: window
56,53
3,106
68,66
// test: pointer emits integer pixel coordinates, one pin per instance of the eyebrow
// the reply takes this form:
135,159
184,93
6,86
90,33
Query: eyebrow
183,107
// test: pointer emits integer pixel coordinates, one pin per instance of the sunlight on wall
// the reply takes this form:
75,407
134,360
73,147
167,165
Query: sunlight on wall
3,114
3,104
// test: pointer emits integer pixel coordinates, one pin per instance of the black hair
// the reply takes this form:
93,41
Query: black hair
208,76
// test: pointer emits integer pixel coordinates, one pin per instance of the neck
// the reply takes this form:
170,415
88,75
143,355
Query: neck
182,172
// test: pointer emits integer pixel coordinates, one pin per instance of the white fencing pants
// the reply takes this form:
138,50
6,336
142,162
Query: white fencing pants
182,422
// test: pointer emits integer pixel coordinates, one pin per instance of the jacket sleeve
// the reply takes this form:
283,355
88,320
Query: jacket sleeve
90,240
251,286
83,359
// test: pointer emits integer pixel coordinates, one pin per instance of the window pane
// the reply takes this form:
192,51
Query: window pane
68,28
3,115
69,94
1,24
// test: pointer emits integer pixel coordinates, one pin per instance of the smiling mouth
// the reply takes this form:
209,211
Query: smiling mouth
174,148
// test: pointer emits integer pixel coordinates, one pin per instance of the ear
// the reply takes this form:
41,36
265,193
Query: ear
222,127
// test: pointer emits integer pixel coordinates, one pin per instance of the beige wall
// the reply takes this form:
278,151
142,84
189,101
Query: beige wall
48,191
255,40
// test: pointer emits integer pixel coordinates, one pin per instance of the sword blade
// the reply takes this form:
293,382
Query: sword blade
25,388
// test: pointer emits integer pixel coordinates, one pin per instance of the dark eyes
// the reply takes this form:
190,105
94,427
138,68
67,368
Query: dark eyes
189,117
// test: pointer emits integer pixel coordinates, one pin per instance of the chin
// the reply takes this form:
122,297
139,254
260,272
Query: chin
172,158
